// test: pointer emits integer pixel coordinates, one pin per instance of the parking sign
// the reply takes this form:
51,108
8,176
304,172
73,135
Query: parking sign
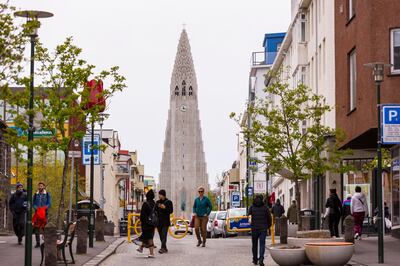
235,200
390,127
86,149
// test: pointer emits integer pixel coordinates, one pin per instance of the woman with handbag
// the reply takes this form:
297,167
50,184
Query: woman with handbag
149,221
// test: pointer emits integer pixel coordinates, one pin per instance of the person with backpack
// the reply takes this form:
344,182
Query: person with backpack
17,203
359,209
333,211
41,204
164,210
260,220
149,221
202,208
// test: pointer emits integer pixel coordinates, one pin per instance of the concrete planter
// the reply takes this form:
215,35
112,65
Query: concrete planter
288,255
329,253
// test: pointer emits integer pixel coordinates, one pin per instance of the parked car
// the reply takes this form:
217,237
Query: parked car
238,223
219,224
210,223
182,227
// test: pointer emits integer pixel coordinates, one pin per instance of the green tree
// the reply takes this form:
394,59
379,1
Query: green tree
59,101
289,149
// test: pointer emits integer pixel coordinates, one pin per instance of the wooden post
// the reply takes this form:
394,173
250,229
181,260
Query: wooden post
82,235
50,245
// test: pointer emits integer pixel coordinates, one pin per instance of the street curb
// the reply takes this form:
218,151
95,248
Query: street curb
105,253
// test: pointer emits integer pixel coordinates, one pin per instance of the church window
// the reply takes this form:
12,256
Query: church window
183,91
176,91
190,91
183,167
183,83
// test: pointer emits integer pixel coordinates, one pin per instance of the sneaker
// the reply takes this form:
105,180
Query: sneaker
356,236
204,245
161,251
255,262
261,263
140,250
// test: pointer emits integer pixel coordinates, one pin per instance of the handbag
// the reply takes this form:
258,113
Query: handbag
191,225
153,217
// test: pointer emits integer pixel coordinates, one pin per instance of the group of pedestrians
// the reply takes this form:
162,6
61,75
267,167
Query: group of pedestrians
41,203
156,215
355,205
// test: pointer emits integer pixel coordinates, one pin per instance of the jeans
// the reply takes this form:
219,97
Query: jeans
358,222
258,235
163,232
19,225
334,220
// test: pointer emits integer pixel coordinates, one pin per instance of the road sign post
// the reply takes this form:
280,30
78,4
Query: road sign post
235,199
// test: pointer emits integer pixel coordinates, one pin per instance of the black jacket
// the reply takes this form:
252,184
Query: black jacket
147,208
278,210
334,204
18,203
260,215
164,214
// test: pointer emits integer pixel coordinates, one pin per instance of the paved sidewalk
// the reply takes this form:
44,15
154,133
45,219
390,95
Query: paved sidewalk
366,252
13,254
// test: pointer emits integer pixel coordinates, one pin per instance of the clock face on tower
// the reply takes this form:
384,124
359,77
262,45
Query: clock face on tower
183,108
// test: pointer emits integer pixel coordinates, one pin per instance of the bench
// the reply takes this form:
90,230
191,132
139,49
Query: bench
67,238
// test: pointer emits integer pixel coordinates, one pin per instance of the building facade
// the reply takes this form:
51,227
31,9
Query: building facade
367,31
183,166
5,180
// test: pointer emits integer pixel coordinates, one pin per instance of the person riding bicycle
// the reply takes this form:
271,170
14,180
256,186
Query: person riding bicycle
164,210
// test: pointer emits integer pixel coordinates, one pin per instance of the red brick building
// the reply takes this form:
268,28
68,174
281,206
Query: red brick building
366,31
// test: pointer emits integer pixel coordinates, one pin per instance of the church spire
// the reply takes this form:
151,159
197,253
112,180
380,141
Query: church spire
183,71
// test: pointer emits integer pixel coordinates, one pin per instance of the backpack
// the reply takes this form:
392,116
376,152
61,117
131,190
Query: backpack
153,217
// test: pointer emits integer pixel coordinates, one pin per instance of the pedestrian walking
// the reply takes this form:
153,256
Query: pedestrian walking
260,221
292,213
149,221
359,209
278,210
333,211
41,205
201,209
17,204
164,210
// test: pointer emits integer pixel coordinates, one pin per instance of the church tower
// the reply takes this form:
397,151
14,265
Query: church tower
183,166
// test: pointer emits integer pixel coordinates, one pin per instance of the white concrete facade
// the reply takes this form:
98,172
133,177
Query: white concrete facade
307,56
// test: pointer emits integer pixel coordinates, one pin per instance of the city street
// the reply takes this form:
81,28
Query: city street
229,251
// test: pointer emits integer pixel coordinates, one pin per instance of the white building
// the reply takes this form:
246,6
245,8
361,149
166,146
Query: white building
307,56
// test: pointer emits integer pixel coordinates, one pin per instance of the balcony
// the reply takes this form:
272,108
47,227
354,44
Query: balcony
263,58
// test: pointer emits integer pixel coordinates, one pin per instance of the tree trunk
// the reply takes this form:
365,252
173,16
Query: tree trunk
298,203
60,212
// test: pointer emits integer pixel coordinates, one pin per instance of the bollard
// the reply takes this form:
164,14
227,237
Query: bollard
82,235
50,245
283,227
272,230
277,226
99,225
348,224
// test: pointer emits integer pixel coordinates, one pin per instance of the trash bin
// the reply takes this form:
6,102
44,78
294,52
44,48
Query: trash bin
123,227
84,210
308,219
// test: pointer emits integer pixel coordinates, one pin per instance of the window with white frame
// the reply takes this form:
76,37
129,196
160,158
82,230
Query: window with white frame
353,79
352,10
303,75
395,50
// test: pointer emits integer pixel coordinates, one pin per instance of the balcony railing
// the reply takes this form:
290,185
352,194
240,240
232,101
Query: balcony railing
263,58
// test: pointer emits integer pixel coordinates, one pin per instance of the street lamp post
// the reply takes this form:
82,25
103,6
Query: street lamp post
91,212
102,117
31,16
378,73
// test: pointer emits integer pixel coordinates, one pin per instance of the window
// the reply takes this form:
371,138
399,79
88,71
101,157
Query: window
395,50
303,75
351,8
190,91
176,91
183,91
303,27
353,79
278,47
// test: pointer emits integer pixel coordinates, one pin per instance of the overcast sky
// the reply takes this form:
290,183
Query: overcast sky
141,36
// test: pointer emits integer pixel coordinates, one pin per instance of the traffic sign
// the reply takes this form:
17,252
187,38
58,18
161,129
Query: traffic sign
390,127
74,154
250,191
86,149
235,199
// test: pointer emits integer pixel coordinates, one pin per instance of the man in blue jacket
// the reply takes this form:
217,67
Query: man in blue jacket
201,209
41,198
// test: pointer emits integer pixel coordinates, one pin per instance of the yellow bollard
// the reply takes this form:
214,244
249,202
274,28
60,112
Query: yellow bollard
272,229
129,227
